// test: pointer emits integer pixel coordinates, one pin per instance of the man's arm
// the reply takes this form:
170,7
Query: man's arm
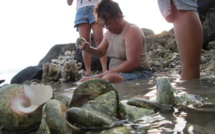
69,2
98,51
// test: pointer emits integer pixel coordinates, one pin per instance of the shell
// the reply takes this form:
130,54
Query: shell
138,102
106,103
54,119
132,112
21,106
79,42
99,113
89,119
89,90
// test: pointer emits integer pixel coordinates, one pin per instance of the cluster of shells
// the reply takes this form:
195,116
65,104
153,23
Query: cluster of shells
164,56
95,108
63,69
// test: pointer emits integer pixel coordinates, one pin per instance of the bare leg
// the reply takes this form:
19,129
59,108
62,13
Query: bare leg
84,31
98,36
189,37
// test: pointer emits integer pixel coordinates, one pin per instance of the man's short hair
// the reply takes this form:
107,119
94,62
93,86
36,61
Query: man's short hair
106,10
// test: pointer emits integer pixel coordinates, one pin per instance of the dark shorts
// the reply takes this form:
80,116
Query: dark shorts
137,75
84,15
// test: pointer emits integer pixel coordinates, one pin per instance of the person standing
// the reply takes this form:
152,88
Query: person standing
188,33
85,22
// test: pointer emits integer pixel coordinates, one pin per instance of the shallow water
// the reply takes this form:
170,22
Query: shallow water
186,121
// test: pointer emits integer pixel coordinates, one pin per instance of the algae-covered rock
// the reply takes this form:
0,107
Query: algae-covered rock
54,119
138,102
106,103
89,90
21,106
89,119
99,113
132,112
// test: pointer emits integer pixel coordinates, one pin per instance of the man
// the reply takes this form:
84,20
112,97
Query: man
123,42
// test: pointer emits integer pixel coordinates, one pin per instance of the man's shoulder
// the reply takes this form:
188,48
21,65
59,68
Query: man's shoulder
133,28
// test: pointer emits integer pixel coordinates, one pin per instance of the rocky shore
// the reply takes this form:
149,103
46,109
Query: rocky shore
64,63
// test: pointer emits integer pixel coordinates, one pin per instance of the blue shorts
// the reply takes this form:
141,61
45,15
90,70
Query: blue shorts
137,75
84,15
165,6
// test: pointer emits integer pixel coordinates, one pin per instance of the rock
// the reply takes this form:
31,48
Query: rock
63,69
35,72
56,51
147,31
209,28
27,74
211,45
1,81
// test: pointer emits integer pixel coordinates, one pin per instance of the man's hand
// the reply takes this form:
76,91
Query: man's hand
81,43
